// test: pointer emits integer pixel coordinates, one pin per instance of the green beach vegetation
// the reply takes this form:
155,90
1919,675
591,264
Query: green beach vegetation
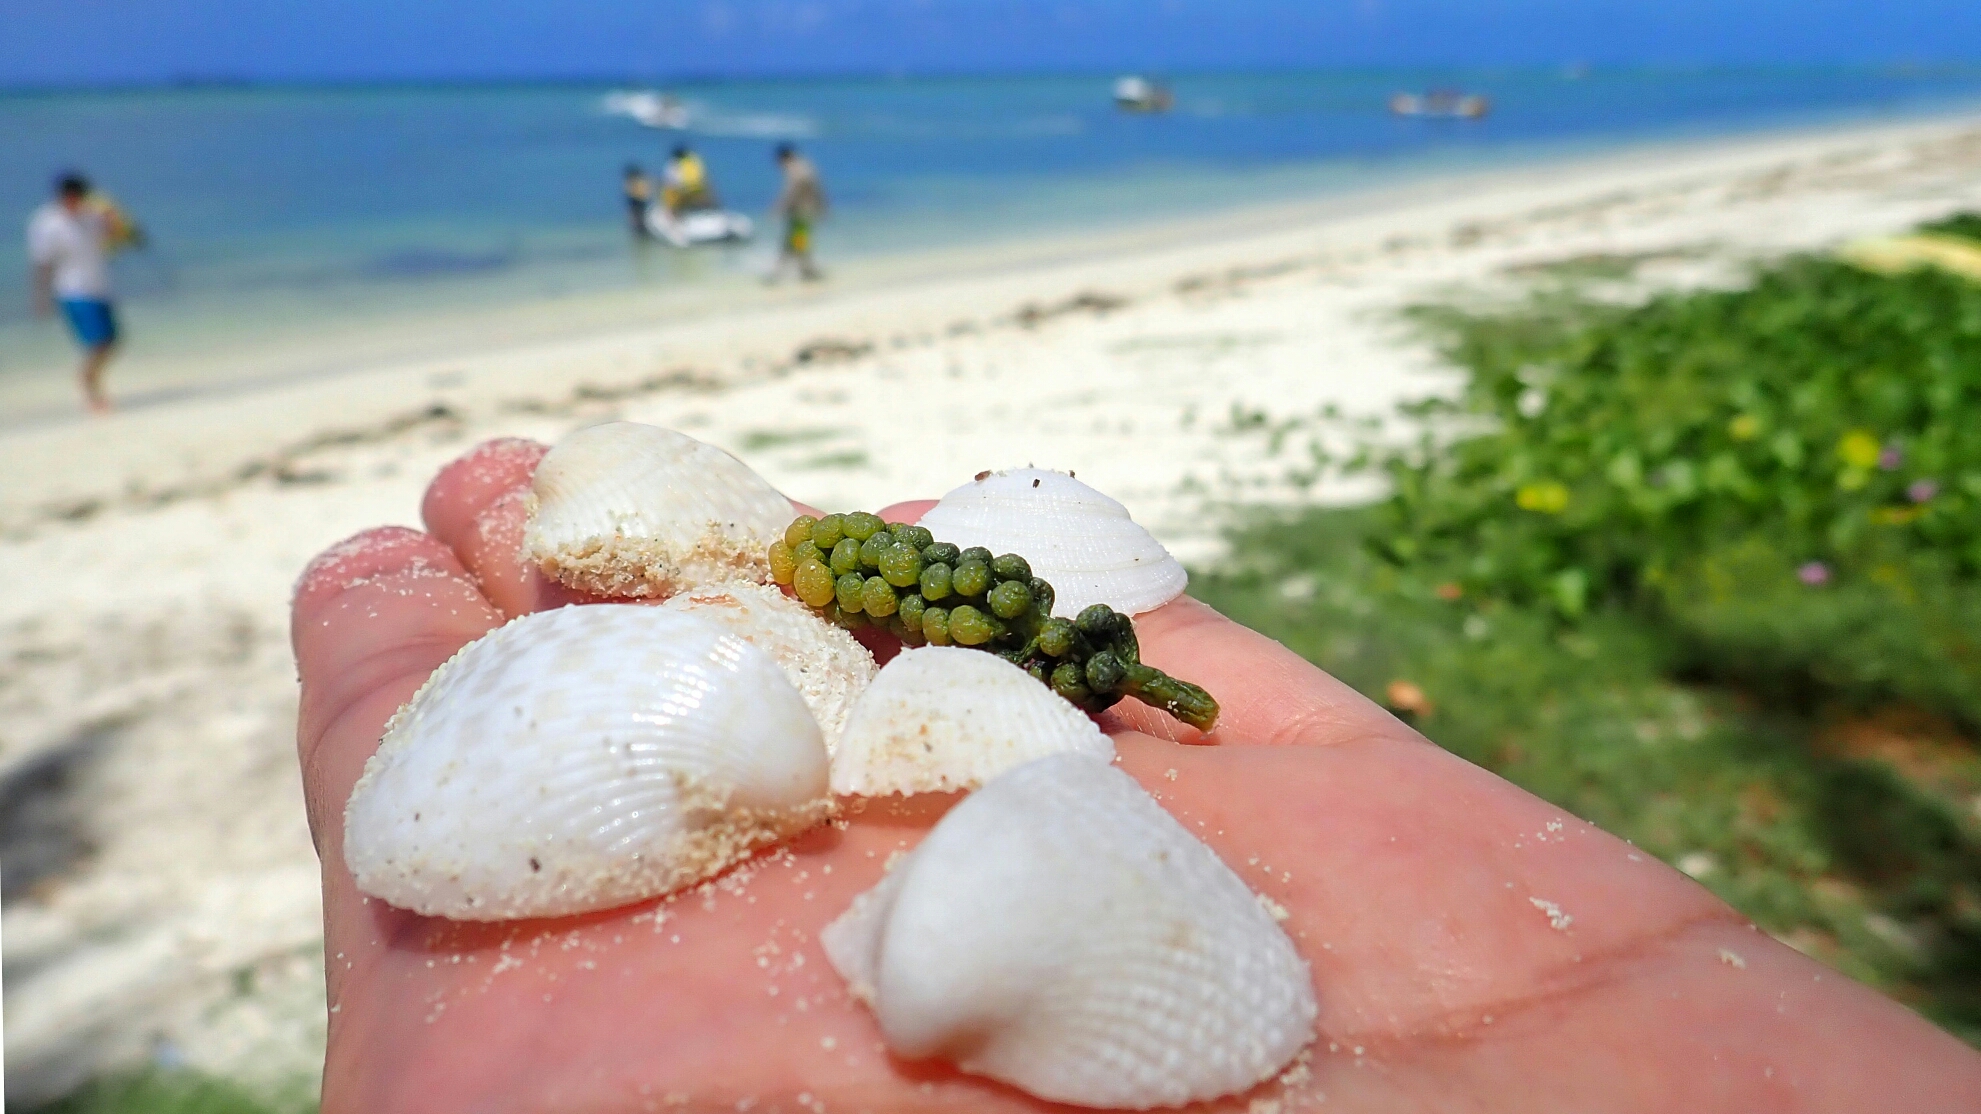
1706,570
159,1091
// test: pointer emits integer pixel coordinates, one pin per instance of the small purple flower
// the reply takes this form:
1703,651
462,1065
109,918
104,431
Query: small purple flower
1891,458
1922,490
1814,574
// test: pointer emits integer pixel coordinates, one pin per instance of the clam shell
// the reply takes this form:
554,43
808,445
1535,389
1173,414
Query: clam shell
1080,540
941,718
631,510
828,666
581,759
1057,930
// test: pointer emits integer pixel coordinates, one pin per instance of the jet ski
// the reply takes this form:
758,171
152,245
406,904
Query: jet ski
1443,104
1139,94
654,110
699,226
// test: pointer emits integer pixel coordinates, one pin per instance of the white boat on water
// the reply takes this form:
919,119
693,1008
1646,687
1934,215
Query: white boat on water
654,110
699,226
1441,104
1139,94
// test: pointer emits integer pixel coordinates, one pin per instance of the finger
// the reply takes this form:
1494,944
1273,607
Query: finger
909,512
372,618
1266,693
479,506
468,485
492,472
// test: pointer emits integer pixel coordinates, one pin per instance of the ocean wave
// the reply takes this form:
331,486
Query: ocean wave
659,110
655,110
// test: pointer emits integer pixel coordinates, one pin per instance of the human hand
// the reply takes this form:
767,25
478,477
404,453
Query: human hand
1471,946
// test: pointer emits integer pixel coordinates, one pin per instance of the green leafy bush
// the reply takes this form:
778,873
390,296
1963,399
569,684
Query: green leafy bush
1705,571
1811,438
1834,850
1966,226
172,1092
1894,623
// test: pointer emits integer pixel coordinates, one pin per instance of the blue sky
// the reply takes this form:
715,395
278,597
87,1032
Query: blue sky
91,41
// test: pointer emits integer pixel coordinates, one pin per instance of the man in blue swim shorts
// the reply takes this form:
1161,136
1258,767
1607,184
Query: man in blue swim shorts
69,243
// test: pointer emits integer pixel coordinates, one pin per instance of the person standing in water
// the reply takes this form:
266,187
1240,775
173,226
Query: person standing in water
639,197
69,244
801,203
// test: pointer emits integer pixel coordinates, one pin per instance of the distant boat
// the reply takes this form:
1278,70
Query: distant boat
655,110
1139,94
1444,104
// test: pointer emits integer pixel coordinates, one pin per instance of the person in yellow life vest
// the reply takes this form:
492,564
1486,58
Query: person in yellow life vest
685,185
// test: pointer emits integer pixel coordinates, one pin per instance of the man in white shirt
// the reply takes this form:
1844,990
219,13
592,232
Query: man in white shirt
69,243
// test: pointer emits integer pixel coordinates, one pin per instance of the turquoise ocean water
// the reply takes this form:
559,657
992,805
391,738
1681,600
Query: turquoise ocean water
305,212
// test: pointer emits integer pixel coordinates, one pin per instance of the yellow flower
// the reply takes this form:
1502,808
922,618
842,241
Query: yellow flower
1546,497
1859,449
1744,428
1404,696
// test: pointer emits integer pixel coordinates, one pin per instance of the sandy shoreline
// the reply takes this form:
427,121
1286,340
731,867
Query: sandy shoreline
161,885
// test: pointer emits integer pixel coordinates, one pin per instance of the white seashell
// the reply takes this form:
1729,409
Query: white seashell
1078,539
1057,930
624,509
828,666
942,718
581,759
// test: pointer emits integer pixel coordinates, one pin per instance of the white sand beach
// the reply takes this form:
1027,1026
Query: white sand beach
162,889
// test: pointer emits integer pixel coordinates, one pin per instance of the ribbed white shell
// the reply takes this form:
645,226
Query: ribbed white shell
581,759
624,509
942,718
1080,540
1059,931
829,666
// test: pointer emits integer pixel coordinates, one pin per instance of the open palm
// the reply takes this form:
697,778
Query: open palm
1472,947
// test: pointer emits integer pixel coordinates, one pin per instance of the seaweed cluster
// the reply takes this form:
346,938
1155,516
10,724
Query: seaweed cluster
857,571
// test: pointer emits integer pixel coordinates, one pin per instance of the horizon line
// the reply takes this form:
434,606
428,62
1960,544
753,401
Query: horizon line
194,82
